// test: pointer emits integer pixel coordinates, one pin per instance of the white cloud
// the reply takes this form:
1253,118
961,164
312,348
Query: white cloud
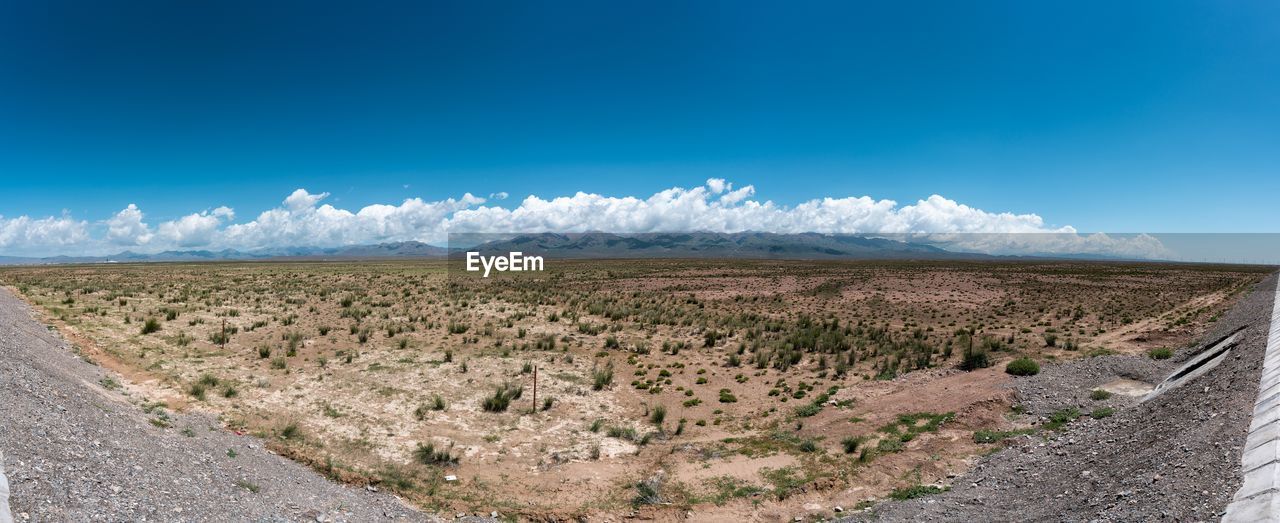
711,208
195,230
301,223
301,199
303,219
24,235
127,228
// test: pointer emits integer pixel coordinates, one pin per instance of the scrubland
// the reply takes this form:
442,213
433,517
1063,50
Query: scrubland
745,389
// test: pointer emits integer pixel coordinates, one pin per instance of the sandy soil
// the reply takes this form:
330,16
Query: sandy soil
339,367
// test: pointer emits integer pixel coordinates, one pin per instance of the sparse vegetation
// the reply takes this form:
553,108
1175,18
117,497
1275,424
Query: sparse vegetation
502,397
602,377
150,326
428,454
658,414
993,436
915,491
1062,417
1022,367
366,356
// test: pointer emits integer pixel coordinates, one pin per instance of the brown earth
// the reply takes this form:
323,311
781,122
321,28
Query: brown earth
339,365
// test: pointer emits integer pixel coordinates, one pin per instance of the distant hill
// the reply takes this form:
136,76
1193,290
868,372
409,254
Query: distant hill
744,245
758,245
409,249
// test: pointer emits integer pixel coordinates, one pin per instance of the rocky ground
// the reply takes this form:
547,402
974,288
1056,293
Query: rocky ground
1173,458
75,451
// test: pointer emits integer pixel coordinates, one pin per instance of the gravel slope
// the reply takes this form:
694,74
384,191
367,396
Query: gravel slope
74,451
1174,458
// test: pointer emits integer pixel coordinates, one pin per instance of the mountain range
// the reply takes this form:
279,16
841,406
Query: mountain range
409,249
804,246
746,245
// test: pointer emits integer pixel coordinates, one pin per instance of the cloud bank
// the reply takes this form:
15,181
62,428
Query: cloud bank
303,219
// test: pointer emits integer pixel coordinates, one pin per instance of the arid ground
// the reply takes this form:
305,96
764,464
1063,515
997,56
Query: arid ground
719,389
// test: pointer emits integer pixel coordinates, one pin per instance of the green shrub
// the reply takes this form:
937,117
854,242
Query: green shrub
993,436
1162,353
807,410
889,444
151,325
1062,417
975,359
501,398
1102,412
626,433
1022,367
428,454
1099,394
727,397
914,492
658,414
602,377
648,493
291,431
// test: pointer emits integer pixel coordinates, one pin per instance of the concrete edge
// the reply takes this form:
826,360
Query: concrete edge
1259,496
1199,364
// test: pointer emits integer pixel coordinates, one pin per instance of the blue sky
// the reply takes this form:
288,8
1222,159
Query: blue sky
1104,116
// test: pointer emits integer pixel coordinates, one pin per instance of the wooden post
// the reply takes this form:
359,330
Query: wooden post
223,339
535,389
